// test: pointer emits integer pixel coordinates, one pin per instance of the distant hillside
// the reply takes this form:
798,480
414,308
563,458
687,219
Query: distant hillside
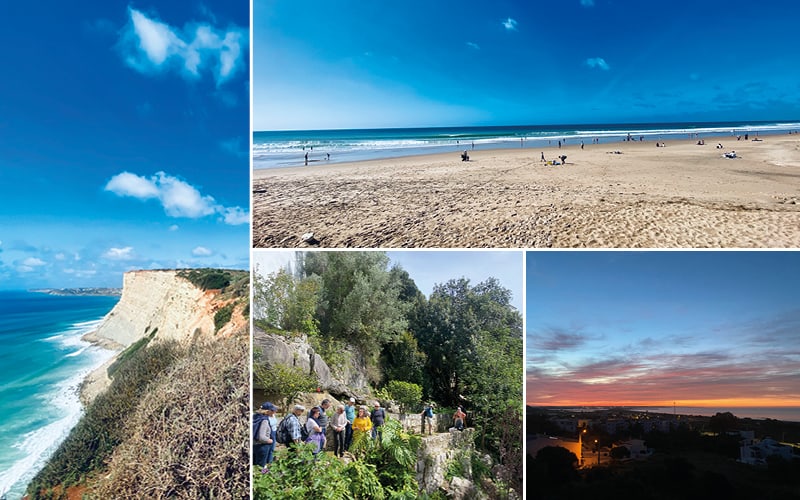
81,292
168,416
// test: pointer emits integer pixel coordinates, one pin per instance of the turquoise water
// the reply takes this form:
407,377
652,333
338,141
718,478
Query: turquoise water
42,363
288,148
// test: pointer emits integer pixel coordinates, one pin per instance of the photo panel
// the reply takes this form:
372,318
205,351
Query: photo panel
125,250
662,373
389,371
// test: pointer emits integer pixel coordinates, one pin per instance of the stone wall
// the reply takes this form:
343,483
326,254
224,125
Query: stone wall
435,454
413,422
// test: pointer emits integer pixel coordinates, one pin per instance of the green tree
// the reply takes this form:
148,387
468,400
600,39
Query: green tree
359,299
285,382
402,360
405,393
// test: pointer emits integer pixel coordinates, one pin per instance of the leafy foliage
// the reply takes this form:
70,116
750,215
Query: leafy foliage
284,382
207,279
405,393
359,299
381,469
222,316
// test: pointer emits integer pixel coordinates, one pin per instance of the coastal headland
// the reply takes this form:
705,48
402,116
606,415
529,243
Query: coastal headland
626,194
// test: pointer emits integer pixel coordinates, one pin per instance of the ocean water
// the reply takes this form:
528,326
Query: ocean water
42,364
288,148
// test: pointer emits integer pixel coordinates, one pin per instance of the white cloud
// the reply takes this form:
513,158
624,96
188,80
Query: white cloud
125,253
202,252
181,199
510,24
177,197
128,184
473,45
60,256
598,62
235,216
587,3
174,227
149,45
33,262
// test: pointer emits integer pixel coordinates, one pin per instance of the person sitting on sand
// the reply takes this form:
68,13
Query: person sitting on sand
464,156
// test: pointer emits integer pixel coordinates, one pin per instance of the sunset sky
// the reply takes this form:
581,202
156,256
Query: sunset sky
653,328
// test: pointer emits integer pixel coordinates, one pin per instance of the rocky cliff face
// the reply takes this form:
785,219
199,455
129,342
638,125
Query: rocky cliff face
349,379
162,300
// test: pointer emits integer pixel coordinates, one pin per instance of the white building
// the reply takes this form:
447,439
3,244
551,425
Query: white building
756,451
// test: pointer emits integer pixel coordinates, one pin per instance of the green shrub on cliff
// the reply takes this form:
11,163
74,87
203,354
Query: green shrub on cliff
222,316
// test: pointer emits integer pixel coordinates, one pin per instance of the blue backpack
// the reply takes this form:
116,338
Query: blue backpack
257,419
429,412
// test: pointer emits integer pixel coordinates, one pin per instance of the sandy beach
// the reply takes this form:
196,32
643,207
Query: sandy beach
617,195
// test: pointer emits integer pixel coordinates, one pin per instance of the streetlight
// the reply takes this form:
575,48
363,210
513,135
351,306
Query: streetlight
597,451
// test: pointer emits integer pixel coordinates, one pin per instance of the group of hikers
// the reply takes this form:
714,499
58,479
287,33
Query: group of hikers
346,422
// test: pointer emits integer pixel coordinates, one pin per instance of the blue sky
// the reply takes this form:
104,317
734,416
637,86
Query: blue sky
656,327
429,268
125,137
350,64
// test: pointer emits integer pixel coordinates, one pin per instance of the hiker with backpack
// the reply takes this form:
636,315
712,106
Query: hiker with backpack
315,434
265,435
427,418
290,431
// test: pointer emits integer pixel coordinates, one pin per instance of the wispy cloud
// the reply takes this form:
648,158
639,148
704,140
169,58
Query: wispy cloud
152,46
598,62
202,252
510,24
587,3
557,339
30,264
124,253
473,45
177,197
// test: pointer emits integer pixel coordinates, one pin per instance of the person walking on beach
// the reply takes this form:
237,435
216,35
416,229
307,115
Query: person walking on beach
306,157
266,435
542,156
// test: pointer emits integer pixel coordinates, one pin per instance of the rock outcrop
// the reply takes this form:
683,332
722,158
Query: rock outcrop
159,300
162,302
347,380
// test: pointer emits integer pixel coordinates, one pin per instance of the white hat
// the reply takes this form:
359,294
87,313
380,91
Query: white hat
352,400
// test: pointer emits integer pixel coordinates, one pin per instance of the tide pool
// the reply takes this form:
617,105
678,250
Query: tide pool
42,364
